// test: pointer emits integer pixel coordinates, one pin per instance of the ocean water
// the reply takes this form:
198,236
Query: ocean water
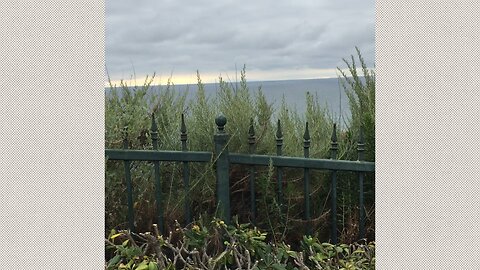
329,93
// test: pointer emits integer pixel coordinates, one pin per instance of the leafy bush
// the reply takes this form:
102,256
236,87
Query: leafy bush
218,246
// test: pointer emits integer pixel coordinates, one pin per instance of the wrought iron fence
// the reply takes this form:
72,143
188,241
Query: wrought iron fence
223,158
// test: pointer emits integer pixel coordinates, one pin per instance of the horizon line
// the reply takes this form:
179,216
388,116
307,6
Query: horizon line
211,77
117,83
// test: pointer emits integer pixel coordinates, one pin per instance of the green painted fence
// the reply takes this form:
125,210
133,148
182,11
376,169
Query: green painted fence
223,158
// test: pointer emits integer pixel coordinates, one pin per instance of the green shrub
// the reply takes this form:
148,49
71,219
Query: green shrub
360,90
218,246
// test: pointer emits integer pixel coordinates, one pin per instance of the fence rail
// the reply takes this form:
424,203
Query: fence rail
298,162
222,159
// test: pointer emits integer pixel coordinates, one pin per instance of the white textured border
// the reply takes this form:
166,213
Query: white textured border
52,122
427,124
51,165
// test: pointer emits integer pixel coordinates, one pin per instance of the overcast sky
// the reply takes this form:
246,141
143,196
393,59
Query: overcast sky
274,39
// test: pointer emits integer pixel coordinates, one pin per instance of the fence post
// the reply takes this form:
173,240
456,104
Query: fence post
279,139
186,173
222,170
361,150
333,155
306,180
251,149
128,180
158,183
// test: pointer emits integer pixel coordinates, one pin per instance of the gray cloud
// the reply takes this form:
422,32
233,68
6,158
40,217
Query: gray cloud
213,36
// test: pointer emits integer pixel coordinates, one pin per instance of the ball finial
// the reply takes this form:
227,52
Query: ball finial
221,121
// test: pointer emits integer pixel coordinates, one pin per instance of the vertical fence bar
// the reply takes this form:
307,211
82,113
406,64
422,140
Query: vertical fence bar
306,180
361,151
279,139
186,174
333,155
128,180
158,183
251,149
223,181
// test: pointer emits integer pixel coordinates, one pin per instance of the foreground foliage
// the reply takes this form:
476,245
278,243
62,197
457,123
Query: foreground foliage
218,246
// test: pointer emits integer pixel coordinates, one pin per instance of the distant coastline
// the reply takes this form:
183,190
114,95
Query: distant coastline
329,91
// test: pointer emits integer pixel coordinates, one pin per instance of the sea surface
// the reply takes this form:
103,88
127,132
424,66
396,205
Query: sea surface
329,93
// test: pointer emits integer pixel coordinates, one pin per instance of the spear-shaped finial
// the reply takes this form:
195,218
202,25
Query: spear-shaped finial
361,145
279,139
183,127
251,130
334,133
154,132
279,130
125,137
361,138
154,127
306,135
251,137
183,130
306,140
334,144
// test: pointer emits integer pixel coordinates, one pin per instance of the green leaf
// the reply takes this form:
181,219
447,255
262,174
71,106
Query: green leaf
152,266
142,266
278,266
320,257
115,235
114,261
358,251
217,259
292,254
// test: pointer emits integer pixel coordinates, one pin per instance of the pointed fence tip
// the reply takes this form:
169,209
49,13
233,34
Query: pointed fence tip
183,127
154,123
306,135
334,133
125,137
251,130
279,130
361,138
361,145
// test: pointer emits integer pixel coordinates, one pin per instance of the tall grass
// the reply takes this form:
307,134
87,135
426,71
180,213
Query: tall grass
360,90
